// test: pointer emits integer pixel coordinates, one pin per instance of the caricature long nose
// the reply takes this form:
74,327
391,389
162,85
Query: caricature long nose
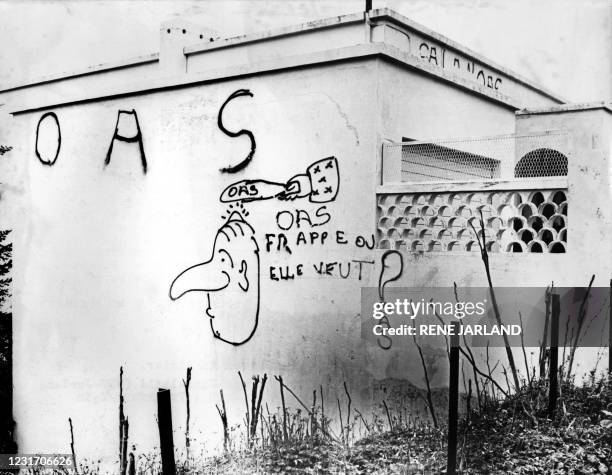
204,277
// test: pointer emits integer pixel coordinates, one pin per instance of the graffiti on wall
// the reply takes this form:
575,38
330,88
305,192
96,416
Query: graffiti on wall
319,183
391,269
448,59
230,281
48,139
127,129
298,229
245,161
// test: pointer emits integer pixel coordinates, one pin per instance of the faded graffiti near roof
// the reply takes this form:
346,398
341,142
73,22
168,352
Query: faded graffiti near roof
459,64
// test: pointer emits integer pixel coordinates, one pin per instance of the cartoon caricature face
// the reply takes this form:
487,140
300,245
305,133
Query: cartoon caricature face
230,280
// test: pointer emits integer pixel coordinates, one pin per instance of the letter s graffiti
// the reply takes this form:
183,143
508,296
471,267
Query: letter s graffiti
239,166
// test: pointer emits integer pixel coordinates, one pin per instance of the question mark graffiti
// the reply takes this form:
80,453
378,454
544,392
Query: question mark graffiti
395,270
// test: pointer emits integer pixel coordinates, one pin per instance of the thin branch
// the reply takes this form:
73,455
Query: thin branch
388,415
523,348
223,415
74,460
544,343
485,259
481,373
246,403
323,429
362,419
186,383
348,414
429,397
581,318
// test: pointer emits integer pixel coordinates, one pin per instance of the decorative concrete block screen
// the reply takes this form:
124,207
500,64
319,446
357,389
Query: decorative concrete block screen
435,192
515,221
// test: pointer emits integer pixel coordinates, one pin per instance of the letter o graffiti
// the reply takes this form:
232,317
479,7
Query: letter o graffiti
48,139
278,220
361,241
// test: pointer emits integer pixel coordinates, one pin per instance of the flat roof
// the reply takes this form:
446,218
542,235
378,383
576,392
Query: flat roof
556,109
331,54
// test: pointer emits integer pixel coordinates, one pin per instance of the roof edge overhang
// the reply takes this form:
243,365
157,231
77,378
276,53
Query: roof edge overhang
351,53
371,18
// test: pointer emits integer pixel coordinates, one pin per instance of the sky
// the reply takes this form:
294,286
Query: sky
563,45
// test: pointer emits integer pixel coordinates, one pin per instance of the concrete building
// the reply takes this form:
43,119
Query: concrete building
286,163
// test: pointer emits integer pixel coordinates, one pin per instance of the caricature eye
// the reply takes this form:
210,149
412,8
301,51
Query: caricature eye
225,257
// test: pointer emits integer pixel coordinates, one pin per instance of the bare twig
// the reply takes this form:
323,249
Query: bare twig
126,428
132,465
581,318
322,409
473,363
485,259
506,376
429,397
74,460
313,419
246,403
253,422
388,415
342,434
474,368
469,402
282,391
523,348
348,414
257,406
186,385
544,343
491,371
223,415
123,428
363,420
324,430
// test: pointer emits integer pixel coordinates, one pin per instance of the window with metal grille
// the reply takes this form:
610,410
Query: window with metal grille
540,163
477,159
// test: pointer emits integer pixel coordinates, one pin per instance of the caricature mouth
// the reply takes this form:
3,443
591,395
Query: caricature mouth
208,309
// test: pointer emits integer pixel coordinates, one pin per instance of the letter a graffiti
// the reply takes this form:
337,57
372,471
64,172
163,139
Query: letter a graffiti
127,129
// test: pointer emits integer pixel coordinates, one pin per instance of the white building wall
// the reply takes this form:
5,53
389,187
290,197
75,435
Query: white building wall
97,247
